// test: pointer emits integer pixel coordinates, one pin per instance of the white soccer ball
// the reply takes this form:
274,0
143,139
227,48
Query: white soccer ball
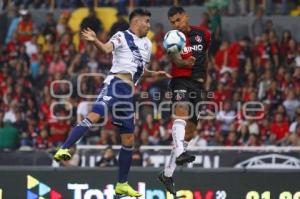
174,41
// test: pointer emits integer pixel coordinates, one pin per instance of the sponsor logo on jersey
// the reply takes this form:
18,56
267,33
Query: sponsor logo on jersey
189,49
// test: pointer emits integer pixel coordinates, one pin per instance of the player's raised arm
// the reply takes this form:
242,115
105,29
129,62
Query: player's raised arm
91,36
150,73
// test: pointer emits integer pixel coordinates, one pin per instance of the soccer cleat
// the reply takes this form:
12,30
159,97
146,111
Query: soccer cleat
167,182
184,158
124,189
62,154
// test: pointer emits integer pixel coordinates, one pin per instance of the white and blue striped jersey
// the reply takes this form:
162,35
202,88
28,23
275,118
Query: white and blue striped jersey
131,53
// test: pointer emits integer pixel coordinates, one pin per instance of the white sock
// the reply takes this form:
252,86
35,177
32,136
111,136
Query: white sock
171,165
178,132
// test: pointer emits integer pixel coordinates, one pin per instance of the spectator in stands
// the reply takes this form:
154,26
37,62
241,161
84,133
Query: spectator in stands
284,45
221,57
108,135
25,27
253,140
294,138
253,127
274,95
210,131
9,135
269,27
151,128
92,22
199,140
296,124
120,25
291,103
231,139
137,156
165,132
32,46
108,158
144,138
93,62
216,29
59,130
257,26
57,65
49,27
291,52
20,123
62,25
279,129
274,51
234,54
205,21
10,115
264,126
13,25
226,117
297,59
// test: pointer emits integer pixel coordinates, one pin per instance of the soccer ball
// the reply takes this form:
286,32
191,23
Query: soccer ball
174,41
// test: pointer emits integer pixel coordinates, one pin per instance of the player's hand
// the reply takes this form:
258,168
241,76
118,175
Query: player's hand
163,74
190,61
89,35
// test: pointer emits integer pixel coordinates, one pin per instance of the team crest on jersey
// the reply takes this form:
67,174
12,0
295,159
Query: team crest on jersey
198,38
118,38
178,97
179,94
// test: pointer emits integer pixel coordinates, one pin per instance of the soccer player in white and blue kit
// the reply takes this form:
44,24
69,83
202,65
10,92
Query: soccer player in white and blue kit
131,54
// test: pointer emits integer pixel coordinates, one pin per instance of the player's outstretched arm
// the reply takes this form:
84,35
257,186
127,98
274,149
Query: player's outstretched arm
89,35
176,58
150,73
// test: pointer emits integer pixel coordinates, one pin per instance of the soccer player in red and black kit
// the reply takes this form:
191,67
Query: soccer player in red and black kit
187,86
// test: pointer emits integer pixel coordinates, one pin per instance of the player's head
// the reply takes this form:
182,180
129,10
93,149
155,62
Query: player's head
178,18
139,20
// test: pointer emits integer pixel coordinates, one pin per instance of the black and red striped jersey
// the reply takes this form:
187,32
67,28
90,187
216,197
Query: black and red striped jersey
197,44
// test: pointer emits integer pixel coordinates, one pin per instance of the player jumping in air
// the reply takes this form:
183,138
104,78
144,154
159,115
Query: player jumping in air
131,53
187,85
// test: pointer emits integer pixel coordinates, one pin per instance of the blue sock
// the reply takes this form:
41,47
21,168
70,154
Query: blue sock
77,132
125,158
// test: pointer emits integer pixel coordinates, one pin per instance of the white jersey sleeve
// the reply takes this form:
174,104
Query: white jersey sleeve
117,39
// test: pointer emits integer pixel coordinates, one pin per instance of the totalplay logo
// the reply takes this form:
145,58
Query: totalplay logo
38,190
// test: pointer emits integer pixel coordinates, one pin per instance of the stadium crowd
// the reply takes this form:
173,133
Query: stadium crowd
44,73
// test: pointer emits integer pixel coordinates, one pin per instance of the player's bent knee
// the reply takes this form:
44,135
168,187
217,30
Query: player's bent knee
94,117
99,109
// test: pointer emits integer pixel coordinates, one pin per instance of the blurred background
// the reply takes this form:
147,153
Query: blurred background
49,78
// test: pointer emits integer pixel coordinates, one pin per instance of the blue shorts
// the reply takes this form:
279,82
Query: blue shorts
116,97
